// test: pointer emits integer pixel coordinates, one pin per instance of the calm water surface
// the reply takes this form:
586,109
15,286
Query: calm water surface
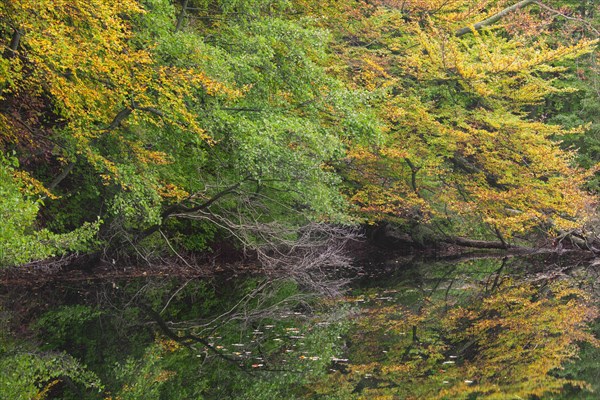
480,328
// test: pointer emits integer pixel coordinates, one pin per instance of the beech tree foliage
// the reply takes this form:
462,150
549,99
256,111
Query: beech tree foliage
192,120
459,146
141,111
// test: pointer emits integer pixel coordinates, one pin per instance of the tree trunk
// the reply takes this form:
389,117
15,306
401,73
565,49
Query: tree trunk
482,244
181,16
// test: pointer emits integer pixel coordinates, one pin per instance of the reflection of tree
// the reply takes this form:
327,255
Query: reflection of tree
515,337
497,344
154,338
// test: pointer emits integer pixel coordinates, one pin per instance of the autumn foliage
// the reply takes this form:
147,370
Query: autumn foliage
505,344
459,144
144,113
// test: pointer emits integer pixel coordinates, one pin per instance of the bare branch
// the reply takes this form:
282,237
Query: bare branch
313,255
494,18
180,208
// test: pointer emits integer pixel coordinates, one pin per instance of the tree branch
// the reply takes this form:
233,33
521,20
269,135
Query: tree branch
15,40
150,110
494,18
558,13
61,176
413,174
482,244
120,117
500,237
127,111
180,208
465,165
242,109
181,15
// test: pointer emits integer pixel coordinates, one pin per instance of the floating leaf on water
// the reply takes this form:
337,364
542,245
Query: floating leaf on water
335,359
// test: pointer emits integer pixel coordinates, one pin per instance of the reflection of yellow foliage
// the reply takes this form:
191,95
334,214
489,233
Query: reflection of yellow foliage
168,345
520,336
504,345
164,376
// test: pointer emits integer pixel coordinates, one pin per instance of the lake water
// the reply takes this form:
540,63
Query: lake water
475,328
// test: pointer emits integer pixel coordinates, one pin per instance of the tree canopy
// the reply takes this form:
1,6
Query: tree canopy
153,120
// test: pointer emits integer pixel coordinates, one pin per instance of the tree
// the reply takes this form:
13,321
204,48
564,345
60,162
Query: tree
179,120
459,152
137,127
19,205
72,82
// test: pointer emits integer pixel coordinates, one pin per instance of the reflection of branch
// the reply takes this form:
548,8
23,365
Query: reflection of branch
174,294
497,278
186,340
